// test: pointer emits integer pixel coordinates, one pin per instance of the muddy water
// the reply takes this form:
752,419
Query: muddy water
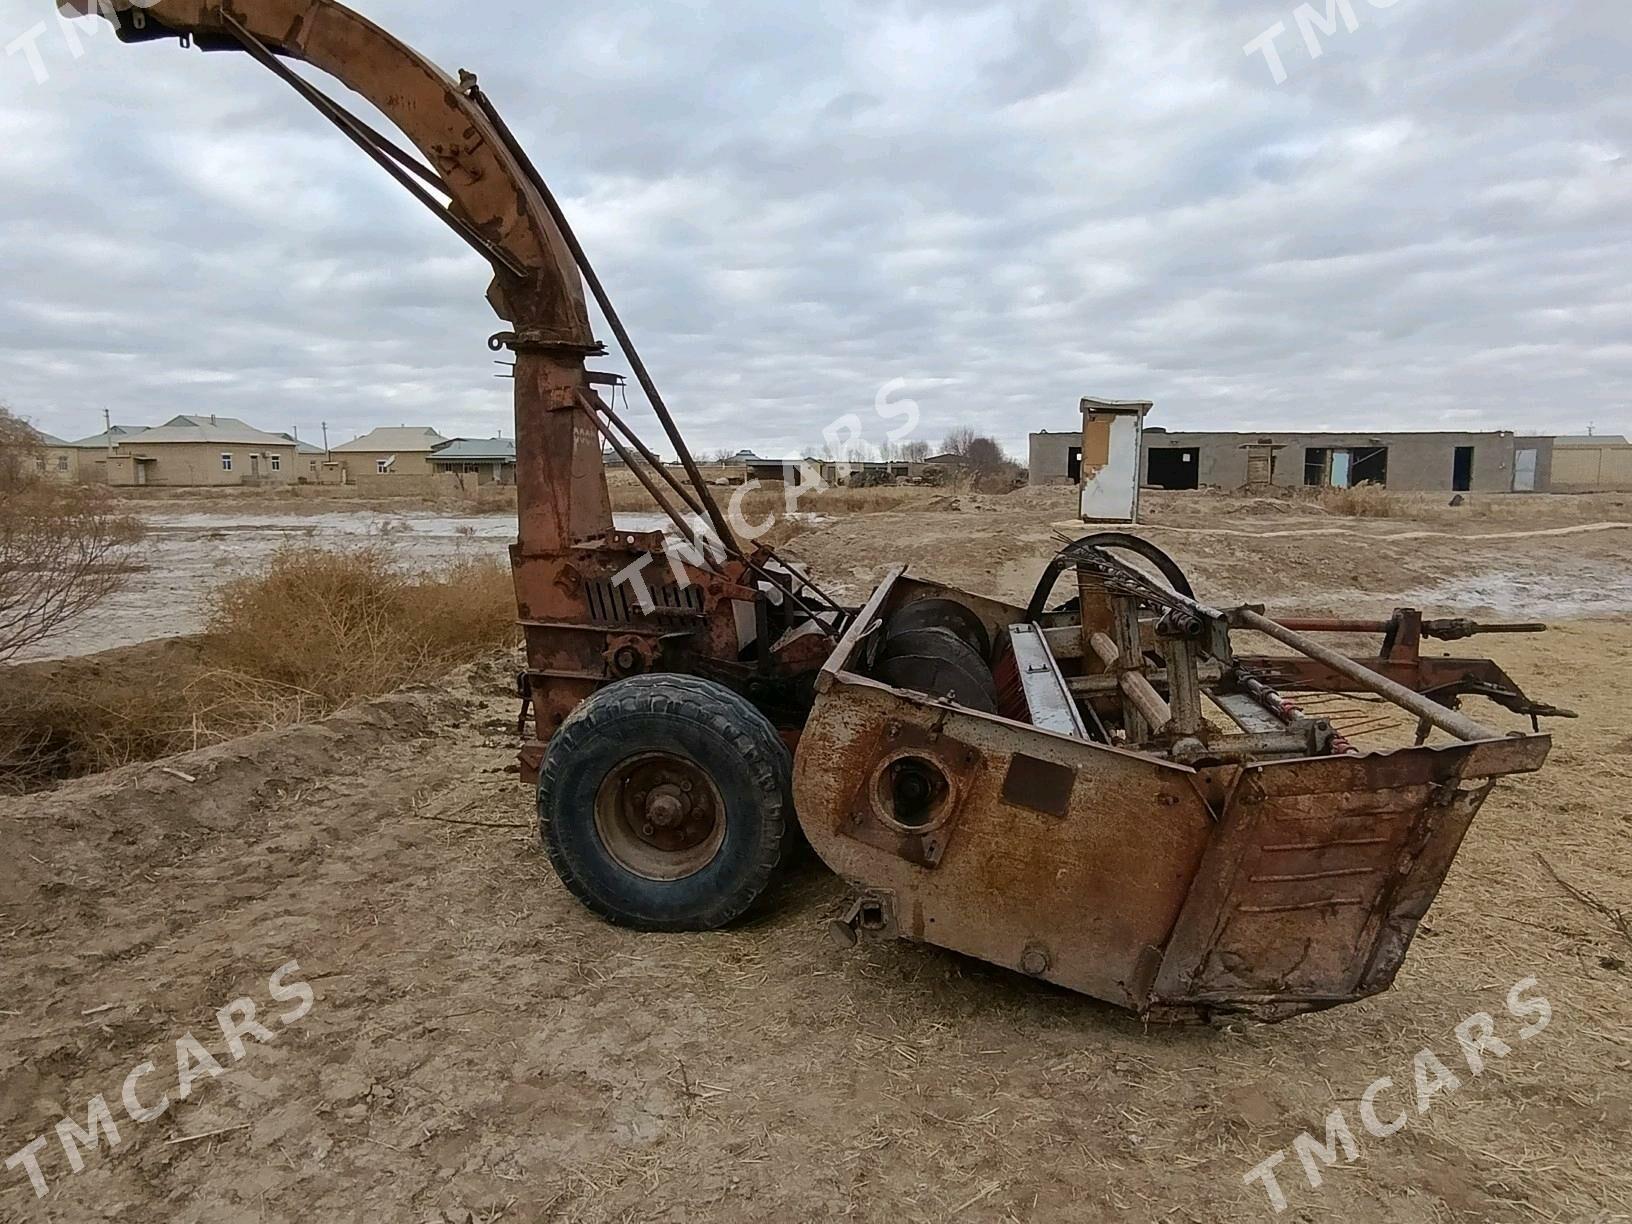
186,556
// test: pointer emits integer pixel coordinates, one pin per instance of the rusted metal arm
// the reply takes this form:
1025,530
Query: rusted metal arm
1431,712
656,494
389,156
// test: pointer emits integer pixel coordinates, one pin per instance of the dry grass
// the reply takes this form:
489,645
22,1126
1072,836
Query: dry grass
1362,501
351,623
315,631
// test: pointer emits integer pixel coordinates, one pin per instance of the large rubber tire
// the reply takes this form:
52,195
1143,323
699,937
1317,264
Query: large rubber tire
722,737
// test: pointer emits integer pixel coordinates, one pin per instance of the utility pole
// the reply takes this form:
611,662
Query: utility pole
325,440
107,427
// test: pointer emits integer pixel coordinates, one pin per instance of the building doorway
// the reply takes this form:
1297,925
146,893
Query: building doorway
1073,465
1176,469
1462,471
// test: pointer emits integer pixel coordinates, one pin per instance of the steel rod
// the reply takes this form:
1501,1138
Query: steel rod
626,342
1332,625
1431,712
597,406
686,529
646,452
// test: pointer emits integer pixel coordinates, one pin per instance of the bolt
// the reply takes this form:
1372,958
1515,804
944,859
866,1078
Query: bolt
1036,960
648,831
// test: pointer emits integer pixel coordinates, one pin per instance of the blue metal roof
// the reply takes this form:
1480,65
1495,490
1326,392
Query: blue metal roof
476,450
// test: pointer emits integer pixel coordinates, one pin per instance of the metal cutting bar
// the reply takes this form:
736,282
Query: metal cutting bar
1431,712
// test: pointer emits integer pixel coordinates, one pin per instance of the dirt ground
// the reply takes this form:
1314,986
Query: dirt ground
480,1048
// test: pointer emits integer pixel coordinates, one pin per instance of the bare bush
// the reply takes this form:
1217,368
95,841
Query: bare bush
987,467
349,623
1361,501
20,454
315,631
63,548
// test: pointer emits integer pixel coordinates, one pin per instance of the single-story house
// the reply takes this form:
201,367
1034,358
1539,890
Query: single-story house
57,460
199,452
794,470
402,451
480,461
309,459
1410,462
90,462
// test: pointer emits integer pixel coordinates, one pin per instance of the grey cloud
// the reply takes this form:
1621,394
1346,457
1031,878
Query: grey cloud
795,204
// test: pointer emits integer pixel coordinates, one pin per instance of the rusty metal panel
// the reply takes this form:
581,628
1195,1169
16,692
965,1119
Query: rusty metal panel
1042,786
1317,878
1086,899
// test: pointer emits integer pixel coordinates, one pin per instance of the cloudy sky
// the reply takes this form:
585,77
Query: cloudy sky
797,203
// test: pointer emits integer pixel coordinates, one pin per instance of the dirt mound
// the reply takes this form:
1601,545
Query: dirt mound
107,827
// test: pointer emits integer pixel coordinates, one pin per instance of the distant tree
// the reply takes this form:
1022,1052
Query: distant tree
913,452
63,548
959,441
985,457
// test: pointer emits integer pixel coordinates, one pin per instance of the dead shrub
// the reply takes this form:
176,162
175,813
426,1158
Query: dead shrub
316,630
347,623
63,548
1361,501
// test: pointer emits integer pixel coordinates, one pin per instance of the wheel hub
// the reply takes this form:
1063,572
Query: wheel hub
660,816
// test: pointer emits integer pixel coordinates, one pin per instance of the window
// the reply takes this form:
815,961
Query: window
1345,468
277,463
382,467
226,463
1172,468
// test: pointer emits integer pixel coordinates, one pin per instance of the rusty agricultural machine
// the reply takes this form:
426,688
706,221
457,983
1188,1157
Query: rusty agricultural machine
1103,792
